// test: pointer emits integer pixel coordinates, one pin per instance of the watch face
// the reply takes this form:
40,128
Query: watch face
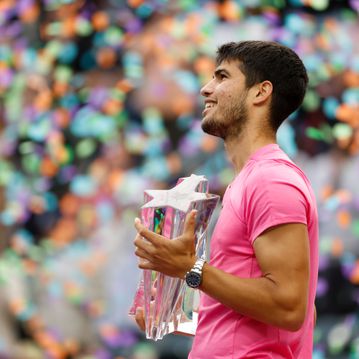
193,279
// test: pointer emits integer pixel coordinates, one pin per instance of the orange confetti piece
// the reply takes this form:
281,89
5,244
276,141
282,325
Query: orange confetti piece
30,14
209,144
135,3
69,27
106,57
48,168
60,88
100,20
124,85
112,107
348,114
17,305
354,277
351,78
43,101
337,247
228,10
64,232
69,205
115,178
326,192
344,219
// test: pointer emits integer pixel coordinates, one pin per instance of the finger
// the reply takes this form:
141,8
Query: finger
142,254
152,237
146,264
140,318
190,224
143,244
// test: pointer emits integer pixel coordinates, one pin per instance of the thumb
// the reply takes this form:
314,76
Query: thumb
190,224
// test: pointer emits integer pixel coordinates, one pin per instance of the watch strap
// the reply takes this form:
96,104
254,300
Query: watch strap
198,266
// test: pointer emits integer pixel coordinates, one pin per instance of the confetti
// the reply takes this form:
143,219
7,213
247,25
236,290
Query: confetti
89,119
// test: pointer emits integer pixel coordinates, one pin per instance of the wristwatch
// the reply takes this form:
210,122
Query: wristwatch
194,276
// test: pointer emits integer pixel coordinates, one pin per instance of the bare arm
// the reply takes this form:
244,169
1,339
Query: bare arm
278,297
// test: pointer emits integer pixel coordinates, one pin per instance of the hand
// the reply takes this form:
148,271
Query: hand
173,257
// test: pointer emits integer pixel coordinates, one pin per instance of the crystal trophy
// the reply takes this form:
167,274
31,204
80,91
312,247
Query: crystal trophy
169,304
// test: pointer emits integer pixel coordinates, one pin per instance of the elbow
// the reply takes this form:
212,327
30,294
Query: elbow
293,320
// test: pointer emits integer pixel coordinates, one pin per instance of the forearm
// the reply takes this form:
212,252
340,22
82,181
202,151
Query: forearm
259,298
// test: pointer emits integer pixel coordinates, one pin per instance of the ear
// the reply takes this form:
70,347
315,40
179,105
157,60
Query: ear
263,91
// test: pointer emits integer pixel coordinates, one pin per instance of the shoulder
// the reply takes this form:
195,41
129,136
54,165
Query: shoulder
274,172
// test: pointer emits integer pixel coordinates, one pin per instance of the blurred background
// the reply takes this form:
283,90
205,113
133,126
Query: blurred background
99,100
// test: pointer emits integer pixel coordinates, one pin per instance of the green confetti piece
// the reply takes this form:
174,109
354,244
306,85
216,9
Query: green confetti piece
113,36
226,176
6,54
355,227
178,30
342,131
83,27
54,28
14,99
85,148
27,147
322,134
6,173
348,15
311,101
152,121
187,4
53,48
63,74
31,163
121,119
117,94
36,253
69,155
320,5
325,245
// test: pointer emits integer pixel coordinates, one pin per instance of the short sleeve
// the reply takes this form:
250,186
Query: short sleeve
274,195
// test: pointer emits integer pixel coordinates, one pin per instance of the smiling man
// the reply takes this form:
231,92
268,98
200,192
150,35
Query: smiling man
258,288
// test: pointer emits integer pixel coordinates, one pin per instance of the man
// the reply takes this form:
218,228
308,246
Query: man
259,286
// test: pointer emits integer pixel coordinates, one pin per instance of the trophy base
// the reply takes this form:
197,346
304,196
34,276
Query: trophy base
187,328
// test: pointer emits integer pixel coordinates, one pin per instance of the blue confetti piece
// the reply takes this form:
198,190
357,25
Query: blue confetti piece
105,211
68,53
83,186
330,106
286,139
351,96
187,81
55,289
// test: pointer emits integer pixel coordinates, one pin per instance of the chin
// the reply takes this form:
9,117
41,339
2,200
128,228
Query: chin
211,128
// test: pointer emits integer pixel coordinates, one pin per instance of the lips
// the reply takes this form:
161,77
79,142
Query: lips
208,106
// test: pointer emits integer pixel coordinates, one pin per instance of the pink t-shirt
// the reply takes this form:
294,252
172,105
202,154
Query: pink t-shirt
270,190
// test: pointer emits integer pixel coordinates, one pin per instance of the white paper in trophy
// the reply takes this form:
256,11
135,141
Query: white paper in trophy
169,304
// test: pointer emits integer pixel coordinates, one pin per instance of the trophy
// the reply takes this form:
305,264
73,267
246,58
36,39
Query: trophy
169,304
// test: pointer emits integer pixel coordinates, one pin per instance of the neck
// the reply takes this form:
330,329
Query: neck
241,147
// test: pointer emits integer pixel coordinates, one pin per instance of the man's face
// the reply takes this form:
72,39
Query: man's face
225,111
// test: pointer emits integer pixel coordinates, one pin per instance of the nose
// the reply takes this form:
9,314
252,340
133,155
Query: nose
207,89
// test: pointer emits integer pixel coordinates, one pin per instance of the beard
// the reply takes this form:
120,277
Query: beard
230,122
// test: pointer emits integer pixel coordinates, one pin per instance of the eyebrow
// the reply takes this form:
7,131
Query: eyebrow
219,71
